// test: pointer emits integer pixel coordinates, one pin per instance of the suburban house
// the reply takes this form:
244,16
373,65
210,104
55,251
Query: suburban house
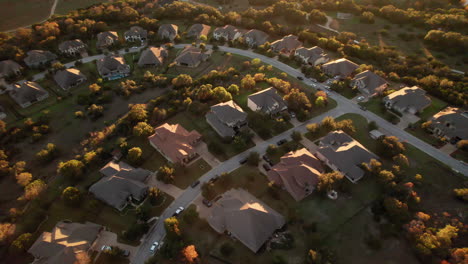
450,123
192,56
267,101
228,33
9,68
113,67
175,143
409,99
341,67
227,119
69,78
152,56
255,38
298,172
369,83
136,33
286,45
198,30
72,47
313,56
344,154
121,184
168,31
36,58
106,39
65,243
244,217
27,93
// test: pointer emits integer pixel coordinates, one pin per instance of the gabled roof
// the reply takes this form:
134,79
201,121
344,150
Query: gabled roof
409,97
75,43
229,112
371,80
66,78
452,121
298,172
268,100
287,43
136,31
9,67
170,28
245,217
191,55
152,55
312,54
258,37
342,67
229,30
111,63
104,37
27,92
198,30
38,56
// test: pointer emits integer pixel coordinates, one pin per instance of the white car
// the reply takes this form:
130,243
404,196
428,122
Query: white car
105,248
178,211
154,246
360,98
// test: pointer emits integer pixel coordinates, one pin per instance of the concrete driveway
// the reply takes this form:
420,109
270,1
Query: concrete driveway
202,150
407,119
170,189
108,238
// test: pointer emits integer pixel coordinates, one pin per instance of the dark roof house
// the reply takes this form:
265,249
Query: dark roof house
267,101
255,37
168,31
198,30
227,119
369,83
36,58
69,78
152,56
9,68
113,67
27,93
227,33
409,99
72,47
136,33
286,45
192,56
450,123
341,67
106,39
313,56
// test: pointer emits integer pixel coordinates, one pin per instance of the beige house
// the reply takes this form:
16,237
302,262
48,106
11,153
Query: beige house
168,31
152,56
255,37
313,56
9,68
227,33
267,101
198,30
192,56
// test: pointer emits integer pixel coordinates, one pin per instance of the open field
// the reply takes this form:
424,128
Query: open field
20,13
65,6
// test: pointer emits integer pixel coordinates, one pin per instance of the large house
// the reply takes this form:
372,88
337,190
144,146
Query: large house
136,33
72,47
227,33
192,56
286,45
27,93
168,31
9,68
152,56
36,58
246,218
298,172
69,78
227,119
313,56
255,38
106,39
341,68
409,99
175,143
450,123
344,154
369,83
65,243
198,30
121,184
267,101
113,67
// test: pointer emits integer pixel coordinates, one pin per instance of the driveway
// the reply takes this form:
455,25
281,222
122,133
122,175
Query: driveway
407,119
309,145
202,150
107,238
170,189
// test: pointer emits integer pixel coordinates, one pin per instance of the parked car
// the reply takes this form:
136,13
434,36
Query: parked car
126,253
215,178
206,202
154,246
318,89
178,211
363,108
281,142
300,78
105,248
243,161
265,158
292,114
360,98
266,167
194,184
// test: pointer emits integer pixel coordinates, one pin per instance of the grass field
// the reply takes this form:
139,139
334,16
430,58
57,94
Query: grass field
65,6
20,13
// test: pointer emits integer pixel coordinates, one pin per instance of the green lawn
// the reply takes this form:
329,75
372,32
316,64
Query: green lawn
152,159
184,176
283,149
434,108
422,134
461,155
362,132
20,13
376,106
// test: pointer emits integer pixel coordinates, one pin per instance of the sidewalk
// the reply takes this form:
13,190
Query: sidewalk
170,189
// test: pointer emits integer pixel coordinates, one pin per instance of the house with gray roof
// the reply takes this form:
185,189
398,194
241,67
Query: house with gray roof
36,58
313,56
113,67
227,119
267,101
9,68
286,45
227,33
255,37
451,124
136,33
152,56
369,83
344,154
121,183
106,39
69,78
192,56
245,217
168,31
72,47
407,100
341,67
198,30
28,93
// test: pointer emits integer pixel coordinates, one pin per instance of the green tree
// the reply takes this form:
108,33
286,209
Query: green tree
22,243
134,155
329,181
71,196
165,174
248,82
72,169
320,101
386,176
143,129
183,80
233,89
221,95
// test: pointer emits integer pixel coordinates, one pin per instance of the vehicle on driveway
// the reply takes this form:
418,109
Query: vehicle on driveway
360,98
106,248
194,184
126,253
281,142
178,211
363,108
207,202
300,78
266,167
154,246
292,114
267,159
243,161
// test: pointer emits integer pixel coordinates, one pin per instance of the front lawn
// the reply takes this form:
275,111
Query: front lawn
184,176
283,149
362,131
436,106
376,106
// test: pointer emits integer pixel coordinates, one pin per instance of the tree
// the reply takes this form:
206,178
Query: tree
189,254
71,196
396,209
190,215
248,82
134,155
446,234
314,257
297,100
171,225
390,146
159,114
34,189
94,88
72,169
253,159
137,113
183,80
401,160
233,89
165,174
6,231
463,145
82,257
95,111
329,181
22,243
23,178
367,17
221,95
296,136
143,129
154,195
47,154
320,101
128,87
386,176
461,194
271,149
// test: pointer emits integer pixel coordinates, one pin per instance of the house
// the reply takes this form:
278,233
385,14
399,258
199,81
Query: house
255,38
341,67
168,31
72,47
69,78
344,154
267,101
113,67
36,58
409,99
65,243
369,83
286,45
121,183
244,217
136,33
9,68
27,93
451,124
175,143
198,30
152,56
227,33
106,39
313,56
298,172
192,56
227,119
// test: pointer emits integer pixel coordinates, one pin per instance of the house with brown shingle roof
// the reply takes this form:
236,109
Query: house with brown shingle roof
65,243
298,172
152,56
227,119
198,30
255,37
267,101
28,93
407,100
113,67
245,217
341,67
106,39
313,56
175,143
168,31
136,33
192,56
72,47
9,68
227,33
69,78
369,83
36,58
450,123
286,45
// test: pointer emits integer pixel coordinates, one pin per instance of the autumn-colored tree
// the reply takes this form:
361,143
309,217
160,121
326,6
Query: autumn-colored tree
6,231
71,196
183,80
171,225
297,100
23,178
72,169
22,243
461,193
143,129
137,113
165,174
134,155
34,189
94,88
248,82
189,254
82,257
328,181
221,95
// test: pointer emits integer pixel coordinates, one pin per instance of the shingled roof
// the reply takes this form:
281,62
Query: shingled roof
136,31
110,64
68,77
9,67
37,57
191,56
268,101
152,56
409,98
341,67
286,44
75,43
452,122
225,115
27,92
372,81
106,38
256,37
198,30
